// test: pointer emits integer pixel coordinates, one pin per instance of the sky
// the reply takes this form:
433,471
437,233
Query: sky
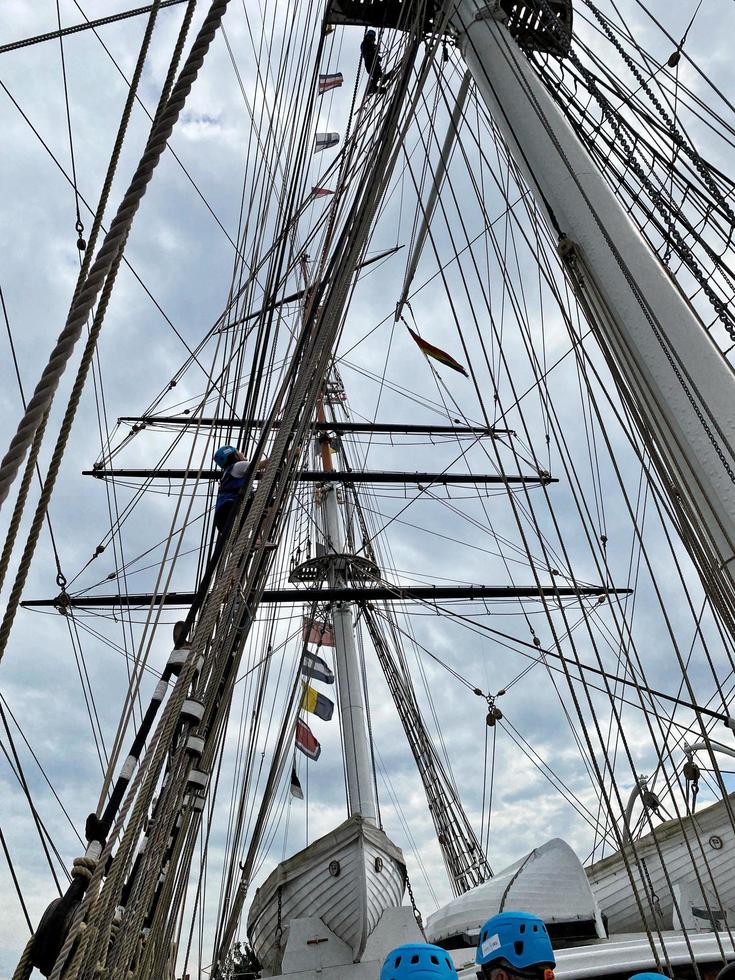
184,259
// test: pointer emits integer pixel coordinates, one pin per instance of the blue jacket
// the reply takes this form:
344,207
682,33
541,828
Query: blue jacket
231,485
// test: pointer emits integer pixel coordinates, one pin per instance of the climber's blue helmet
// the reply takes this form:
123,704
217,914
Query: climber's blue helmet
518,941
419,961
649,976
224,456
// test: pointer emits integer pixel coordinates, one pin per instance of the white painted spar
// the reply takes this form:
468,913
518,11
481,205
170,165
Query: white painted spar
709,834
347,879
625,278
549,881
358,760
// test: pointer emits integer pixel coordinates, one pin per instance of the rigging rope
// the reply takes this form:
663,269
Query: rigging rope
114,241
62,439
154,960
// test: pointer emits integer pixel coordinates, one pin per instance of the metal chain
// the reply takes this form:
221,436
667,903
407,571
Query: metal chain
567,247
414,906
279,919
674,132
86,25
655,899
656,196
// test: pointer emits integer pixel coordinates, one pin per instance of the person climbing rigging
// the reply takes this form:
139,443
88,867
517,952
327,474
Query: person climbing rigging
371,60
418,961
232,482
515,944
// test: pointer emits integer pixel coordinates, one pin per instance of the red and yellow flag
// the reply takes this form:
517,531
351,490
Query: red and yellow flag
437,353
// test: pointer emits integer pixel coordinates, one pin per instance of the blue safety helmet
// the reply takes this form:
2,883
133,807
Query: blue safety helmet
519,939
649,976
419,961
223,456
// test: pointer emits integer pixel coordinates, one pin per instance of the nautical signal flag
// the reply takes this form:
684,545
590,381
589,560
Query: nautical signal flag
324,141
306,741
296,789
316,668
321,192
328,82
316,703
318,633
437,353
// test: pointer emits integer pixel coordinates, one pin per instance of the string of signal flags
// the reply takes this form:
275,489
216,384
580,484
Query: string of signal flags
313,667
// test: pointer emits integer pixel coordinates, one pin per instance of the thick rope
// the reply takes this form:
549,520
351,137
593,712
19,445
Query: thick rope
93,903
25,966
17,515
53,470
119,229
162,129
48,485
306,384
85,936
86,361
302,398
137,803
138,798
165,94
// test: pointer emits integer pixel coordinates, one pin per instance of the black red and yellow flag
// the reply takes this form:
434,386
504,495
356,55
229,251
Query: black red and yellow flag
437,353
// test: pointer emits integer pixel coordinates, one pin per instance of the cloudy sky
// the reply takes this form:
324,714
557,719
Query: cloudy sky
180,258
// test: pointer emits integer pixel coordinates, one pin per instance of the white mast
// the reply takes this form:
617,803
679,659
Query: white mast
358,764
677,375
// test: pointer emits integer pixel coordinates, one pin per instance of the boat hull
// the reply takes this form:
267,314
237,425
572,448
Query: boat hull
550,881
680,900
347,878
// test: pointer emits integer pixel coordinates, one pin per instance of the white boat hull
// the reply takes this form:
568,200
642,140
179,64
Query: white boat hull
550,881
347,879
680,900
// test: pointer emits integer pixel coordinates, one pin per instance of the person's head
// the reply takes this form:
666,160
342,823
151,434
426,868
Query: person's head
418,961
515,944
726,973
370,34
226,456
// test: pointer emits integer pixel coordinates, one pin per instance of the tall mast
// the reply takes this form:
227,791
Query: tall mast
670,371
358,764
